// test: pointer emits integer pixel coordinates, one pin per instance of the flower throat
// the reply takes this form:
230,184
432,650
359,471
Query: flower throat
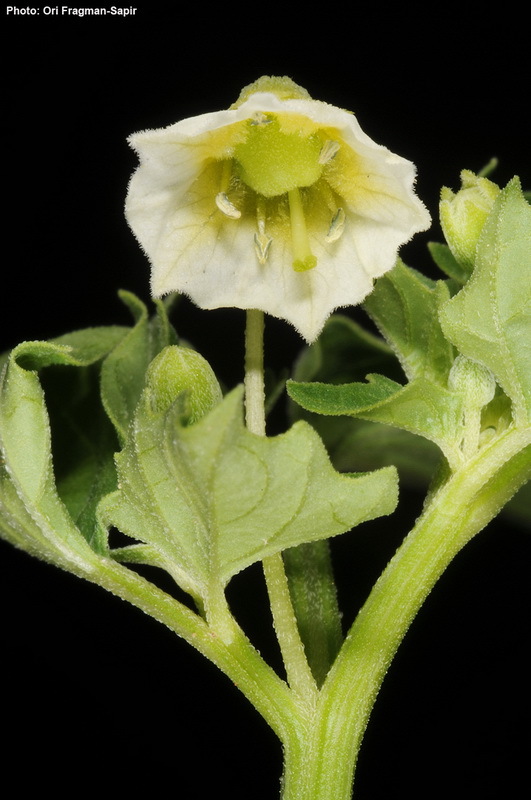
273,163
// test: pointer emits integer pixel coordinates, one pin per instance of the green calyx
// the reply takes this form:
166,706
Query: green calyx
273,163
285,89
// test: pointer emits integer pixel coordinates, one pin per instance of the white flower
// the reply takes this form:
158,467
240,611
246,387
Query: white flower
280,203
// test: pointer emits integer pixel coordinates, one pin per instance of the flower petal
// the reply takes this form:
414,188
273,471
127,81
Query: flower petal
197,249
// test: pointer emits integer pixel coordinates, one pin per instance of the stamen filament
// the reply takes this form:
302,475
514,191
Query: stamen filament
262,242
222,200
262,245
226,175
303,258
226,207
259,118
328,151
337,226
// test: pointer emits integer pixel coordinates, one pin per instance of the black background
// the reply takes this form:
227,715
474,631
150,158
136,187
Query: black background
96,692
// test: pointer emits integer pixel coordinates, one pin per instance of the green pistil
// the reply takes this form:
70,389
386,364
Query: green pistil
303,258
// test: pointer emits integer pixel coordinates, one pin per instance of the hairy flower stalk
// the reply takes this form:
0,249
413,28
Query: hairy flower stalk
280,203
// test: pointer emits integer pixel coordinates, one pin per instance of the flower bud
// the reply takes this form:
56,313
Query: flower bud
473,381
463,215
180,370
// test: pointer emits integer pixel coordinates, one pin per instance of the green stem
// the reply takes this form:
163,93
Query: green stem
254,373
298,672
322,767
237,659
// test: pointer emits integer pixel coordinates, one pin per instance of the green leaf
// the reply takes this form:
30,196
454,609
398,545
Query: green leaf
420,407
345,352
32,515
212,498
83,443
359,446
83,439
89,345
314,597
489,320
404,305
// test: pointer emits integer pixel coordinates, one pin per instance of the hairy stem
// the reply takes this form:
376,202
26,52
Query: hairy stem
322,766
298,672
237,659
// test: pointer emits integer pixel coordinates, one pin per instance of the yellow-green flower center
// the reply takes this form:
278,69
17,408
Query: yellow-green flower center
275,159
273,162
